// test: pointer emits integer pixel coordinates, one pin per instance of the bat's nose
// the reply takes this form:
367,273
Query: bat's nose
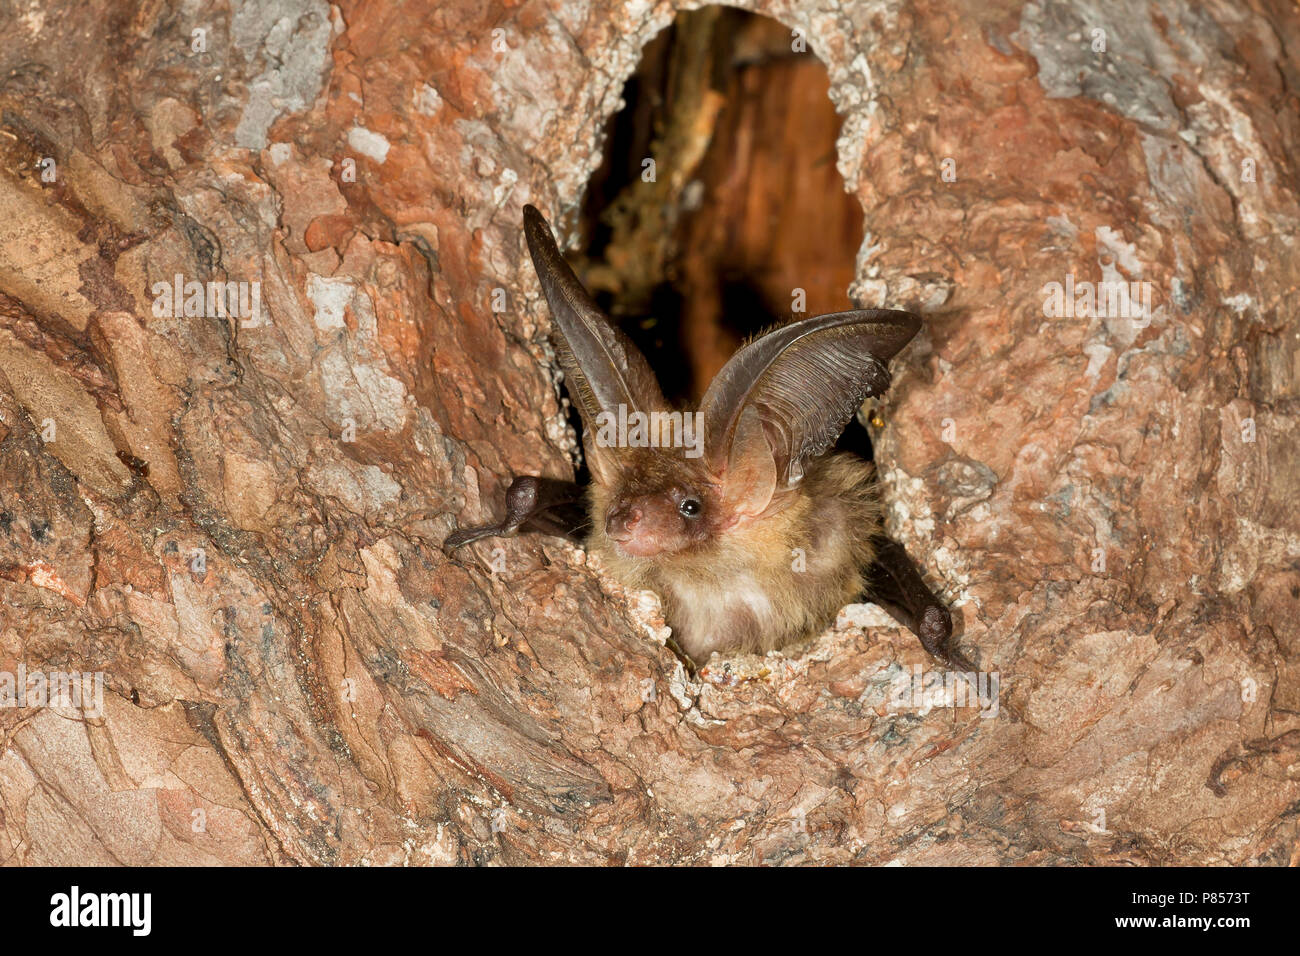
621,522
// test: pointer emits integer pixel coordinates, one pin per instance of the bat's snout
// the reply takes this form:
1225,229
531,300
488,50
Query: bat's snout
622,522
645,526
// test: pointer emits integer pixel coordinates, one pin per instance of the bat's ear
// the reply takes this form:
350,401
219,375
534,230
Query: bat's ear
785,396
601,461
602,367
750,479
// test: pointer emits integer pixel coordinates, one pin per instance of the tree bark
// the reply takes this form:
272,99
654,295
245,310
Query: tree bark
237,520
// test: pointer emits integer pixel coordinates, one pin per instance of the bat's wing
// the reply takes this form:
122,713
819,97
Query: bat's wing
784,398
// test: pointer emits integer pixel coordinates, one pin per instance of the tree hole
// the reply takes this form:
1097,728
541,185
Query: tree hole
718,209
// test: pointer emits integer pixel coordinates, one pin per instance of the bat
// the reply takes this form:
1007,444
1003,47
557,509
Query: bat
752,530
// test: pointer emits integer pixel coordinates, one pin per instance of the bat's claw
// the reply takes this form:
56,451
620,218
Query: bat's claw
934,628
458,539
532,503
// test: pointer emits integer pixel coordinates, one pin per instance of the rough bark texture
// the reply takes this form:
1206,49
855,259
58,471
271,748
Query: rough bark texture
328,688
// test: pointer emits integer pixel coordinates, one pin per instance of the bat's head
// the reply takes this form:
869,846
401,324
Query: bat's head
659,504
778,404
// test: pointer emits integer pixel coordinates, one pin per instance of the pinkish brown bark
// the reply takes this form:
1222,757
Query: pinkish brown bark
293,670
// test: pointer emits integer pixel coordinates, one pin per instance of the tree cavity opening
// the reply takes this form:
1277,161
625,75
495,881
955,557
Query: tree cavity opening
718,209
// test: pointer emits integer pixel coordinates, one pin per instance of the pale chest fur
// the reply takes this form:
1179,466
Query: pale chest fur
714,617
757,599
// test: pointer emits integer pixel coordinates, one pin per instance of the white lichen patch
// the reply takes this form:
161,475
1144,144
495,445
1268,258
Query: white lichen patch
1110,244
368,143
362,394
1098,354
33,18
863,616
292,38
687,693
363,489
506,183
331,297
647,611
558,432
1239,303
1125,304
1255,546
786,670
427,100
908,505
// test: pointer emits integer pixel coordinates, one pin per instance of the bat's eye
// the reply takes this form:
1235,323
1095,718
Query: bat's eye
690,507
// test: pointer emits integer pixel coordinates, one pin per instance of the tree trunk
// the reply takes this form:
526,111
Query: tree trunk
237,518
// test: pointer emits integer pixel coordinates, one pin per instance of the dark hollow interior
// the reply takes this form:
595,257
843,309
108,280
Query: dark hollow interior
745,205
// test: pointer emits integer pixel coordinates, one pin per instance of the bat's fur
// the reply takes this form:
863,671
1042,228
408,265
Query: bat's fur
753,583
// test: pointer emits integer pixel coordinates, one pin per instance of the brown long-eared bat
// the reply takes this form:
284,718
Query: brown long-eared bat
753,532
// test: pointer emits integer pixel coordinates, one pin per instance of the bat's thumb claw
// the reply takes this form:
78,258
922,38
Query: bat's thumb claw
935,628
458,539
935,631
